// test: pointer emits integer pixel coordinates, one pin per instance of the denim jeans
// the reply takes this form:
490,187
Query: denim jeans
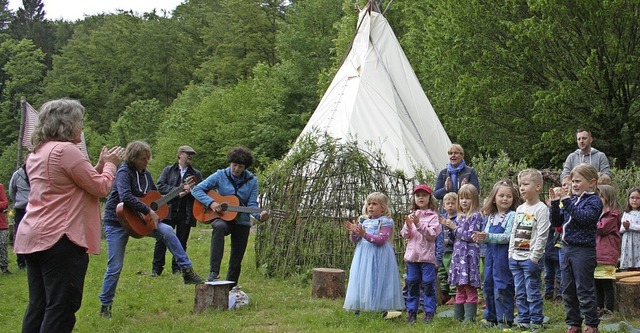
183,229
579,292
528,283
421,275
117,239
56,282
239,239
552,276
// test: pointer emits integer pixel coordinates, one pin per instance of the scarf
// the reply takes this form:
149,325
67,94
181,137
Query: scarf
453,173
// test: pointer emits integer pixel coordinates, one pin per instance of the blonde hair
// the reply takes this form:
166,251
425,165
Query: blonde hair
603,179
450,196
490,206
588,172
470,192
608,193
532,174
457,147
379,198
57,121
134,150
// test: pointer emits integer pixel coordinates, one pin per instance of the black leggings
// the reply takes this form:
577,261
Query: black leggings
605,293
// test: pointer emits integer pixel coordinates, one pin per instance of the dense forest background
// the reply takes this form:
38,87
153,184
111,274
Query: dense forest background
505,76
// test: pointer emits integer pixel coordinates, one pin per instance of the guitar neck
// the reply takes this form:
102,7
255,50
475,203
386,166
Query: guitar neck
166,198
242,209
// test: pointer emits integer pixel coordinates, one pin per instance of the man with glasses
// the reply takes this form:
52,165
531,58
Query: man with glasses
180,212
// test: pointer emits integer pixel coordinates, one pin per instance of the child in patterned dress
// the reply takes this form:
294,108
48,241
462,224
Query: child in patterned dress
465,261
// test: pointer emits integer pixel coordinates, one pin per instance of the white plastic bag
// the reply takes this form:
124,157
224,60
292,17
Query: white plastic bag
237,298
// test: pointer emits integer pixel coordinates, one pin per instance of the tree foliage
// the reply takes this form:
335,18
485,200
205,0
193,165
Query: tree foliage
530,73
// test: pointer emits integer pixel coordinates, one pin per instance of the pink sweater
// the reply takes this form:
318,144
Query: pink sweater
65,189
421,237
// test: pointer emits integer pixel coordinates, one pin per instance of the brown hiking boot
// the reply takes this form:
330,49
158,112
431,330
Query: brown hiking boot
590,329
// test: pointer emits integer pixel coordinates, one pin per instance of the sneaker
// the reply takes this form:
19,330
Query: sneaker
190,277
411,319
176,271
105,311
487,324
536,328
213,276
574,329
155,273
605,314
428,317
391,314
590,329
522,326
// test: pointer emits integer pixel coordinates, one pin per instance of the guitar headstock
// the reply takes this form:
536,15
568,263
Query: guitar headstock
191,181
279,214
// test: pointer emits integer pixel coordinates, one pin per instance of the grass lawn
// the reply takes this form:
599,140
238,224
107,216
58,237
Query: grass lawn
164,304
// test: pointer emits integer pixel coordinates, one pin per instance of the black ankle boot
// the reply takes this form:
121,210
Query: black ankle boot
190,277
105,311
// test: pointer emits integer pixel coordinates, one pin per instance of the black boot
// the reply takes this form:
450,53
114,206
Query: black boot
458,312
190,277
105,311
470,311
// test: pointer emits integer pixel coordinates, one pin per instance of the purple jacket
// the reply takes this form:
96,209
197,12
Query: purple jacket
608,238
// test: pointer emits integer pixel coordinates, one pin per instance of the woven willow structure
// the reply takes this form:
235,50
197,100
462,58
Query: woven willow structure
322,185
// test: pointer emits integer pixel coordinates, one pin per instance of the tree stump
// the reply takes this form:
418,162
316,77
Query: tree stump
628,296
212,294
328,282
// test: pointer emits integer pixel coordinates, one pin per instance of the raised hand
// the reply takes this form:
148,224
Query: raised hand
447,184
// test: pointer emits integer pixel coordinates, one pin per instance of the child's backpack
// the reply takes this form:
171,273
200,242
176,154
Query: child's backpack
237,298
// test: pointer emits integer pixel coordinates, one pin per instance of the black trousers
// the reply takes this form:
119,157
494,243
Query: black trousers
239,239
18,217
183,230
56,281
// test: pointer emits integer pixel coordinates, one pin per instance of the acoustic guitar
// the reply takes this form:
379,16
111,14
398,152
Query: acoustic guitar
230,205
139,225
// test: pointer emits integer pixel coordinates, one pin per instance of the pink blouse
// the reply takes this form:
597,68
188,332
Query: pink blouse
65,189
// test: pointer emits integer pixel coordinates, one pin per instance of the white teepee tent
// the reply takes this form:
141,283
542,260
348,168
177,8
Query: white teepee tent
376,99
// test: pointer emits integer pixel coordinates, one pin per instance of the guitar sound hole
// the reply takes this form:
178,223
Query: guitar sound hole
224,206
154,206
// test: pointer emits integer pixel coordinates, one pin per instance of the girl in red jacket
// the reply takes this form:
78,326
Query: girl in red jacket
607,250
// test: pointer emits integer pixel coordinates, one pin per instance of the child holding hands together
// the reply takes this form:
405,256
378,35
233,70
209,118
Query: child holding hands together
581,215
498,287
374,278
421,229
465,262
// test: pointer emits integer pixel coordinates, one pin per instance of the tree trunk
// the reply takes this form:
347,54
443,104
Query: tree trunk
212,294
628,296
328,282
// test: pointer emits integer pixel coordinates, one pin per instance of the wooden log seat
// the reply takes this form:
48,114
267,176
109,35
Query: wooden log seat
328,283
212,295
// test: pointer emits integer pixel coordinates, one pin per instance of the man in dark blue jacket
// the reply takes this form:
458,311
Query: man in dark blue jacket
180,213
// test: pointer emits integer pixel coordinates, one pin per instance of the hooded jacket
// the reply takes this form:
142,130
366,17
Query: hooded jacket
581,216
595,157
608,240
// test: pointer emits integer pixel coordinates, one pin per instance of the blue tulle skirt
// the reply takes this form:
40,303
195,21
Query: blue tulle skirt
374,279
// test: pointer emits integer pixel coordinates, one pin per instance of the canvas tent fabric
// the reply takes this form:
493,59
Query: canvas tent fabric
376,99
